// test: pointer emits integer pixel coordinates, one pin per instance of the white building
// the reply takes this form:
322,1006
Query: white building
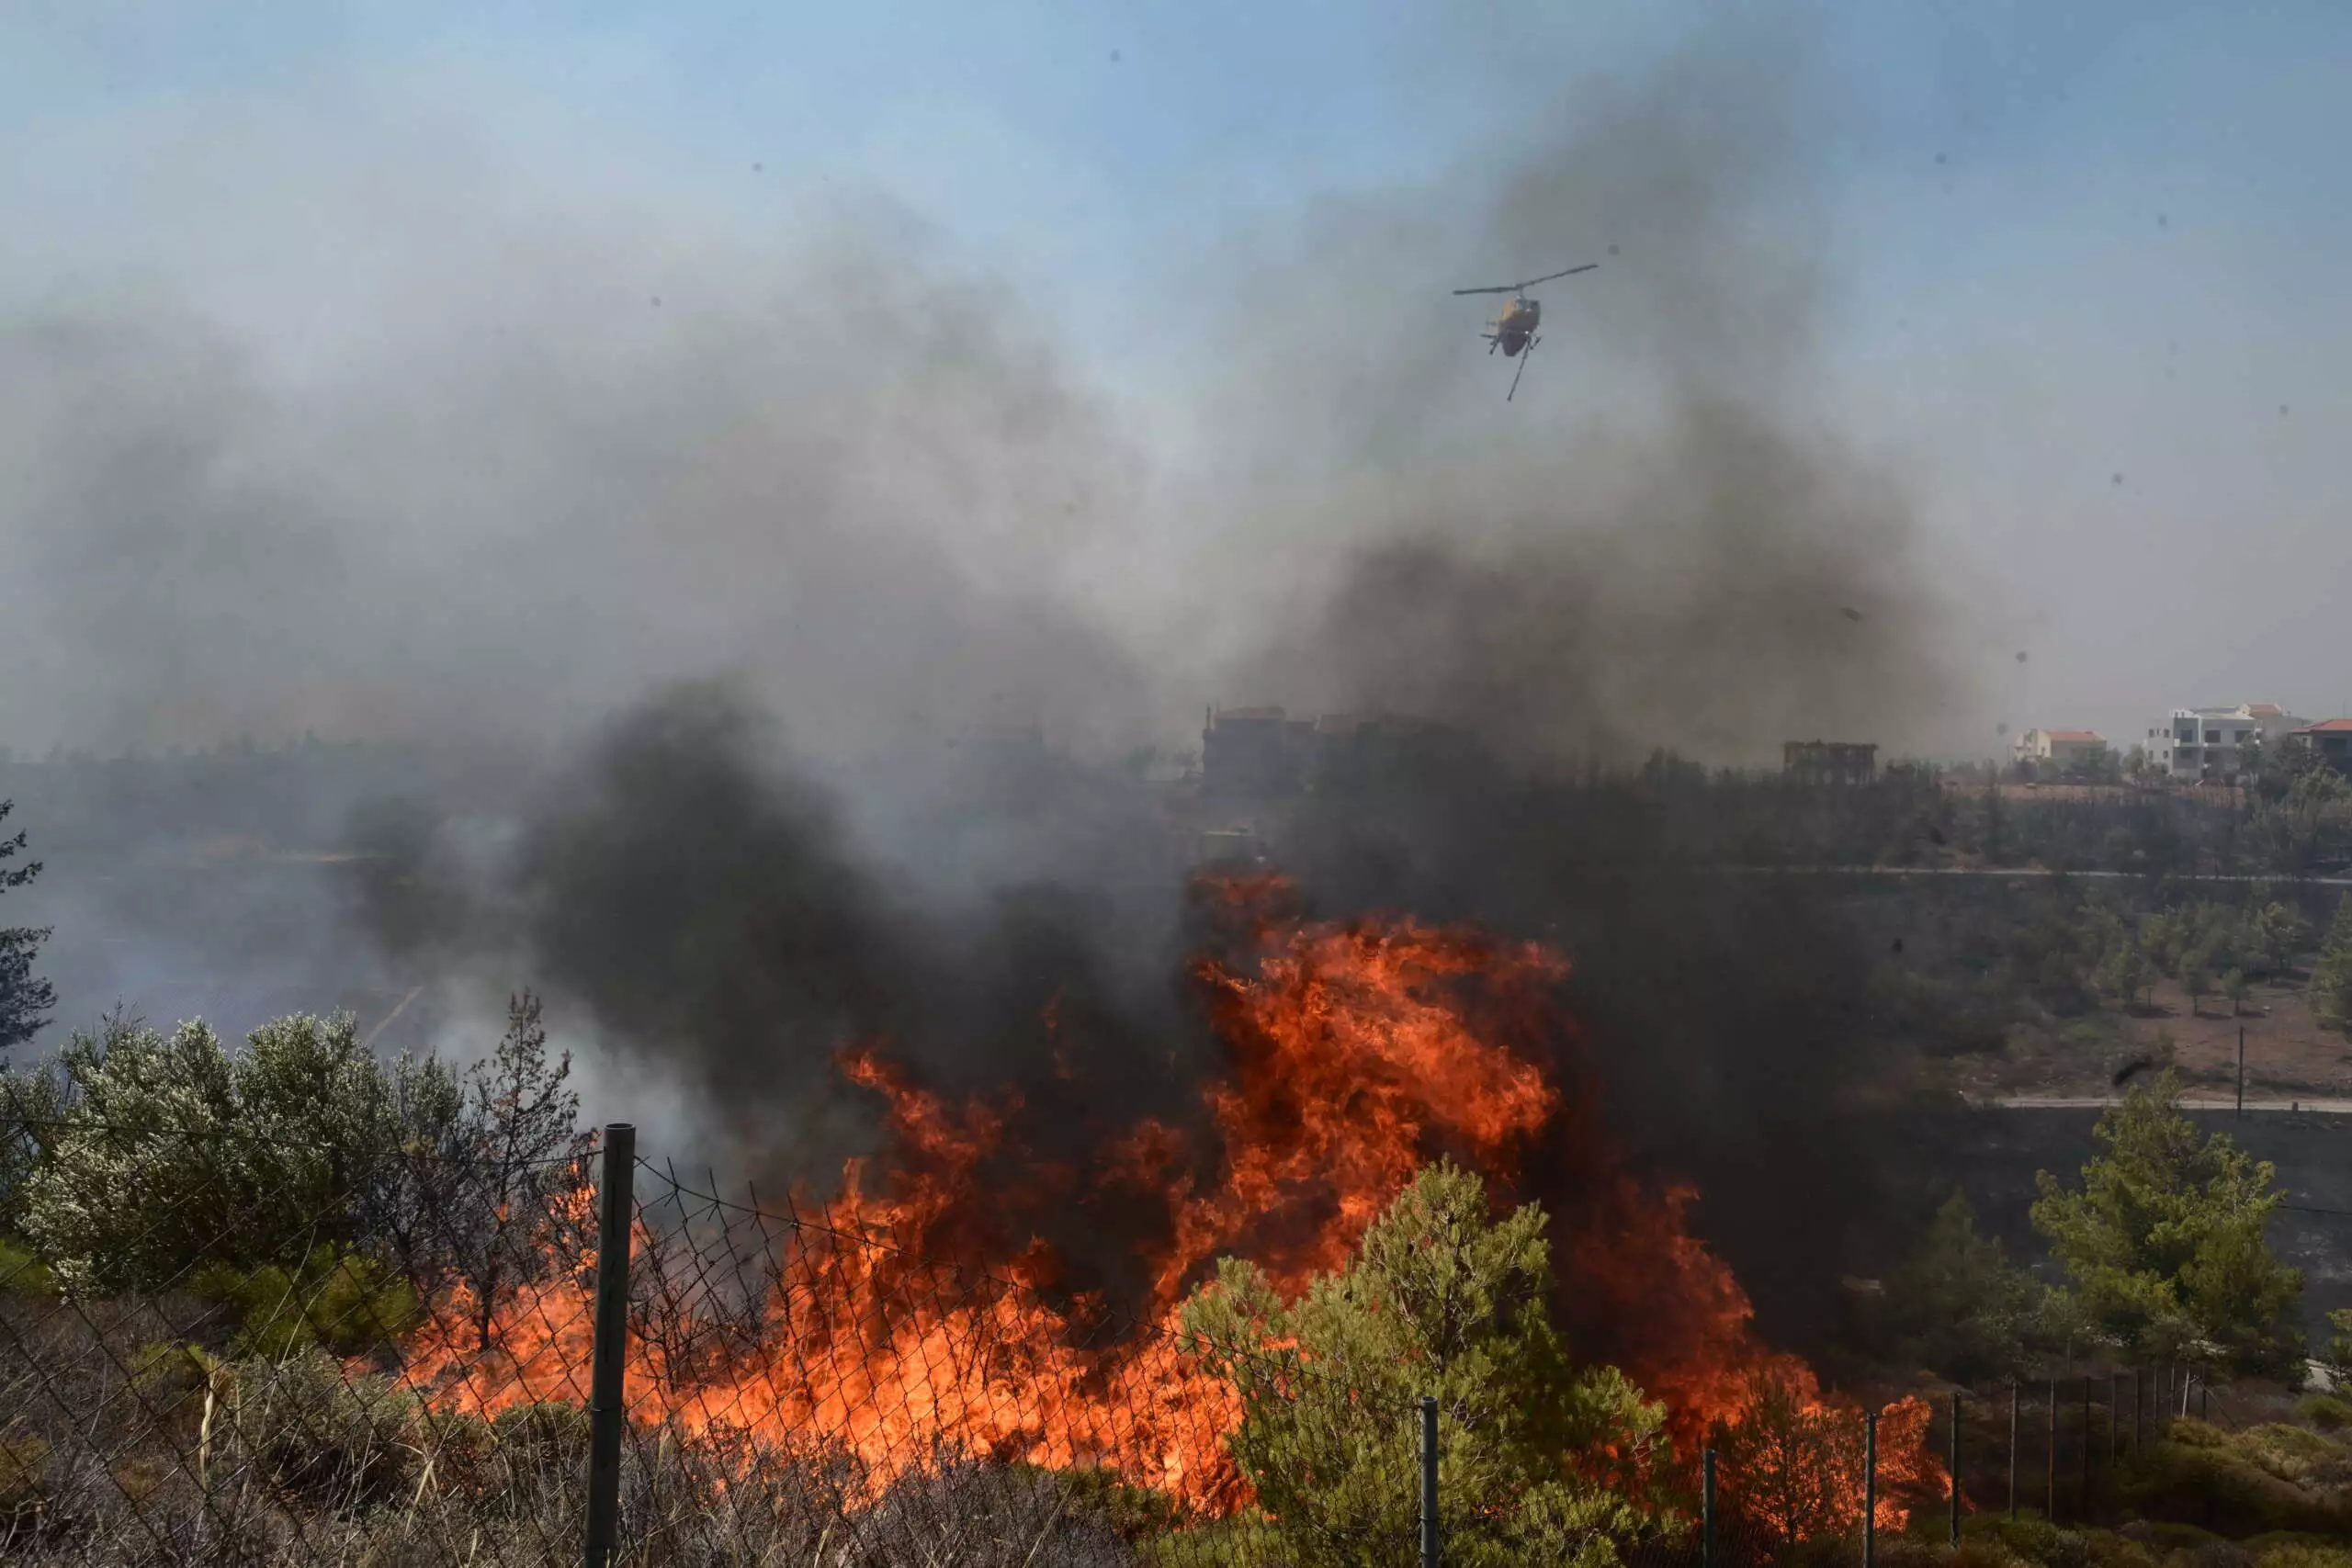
2054,751
2202,743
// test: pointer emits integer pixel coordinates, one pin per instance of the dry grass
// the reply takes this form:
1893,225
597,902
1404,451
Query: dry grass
118,1447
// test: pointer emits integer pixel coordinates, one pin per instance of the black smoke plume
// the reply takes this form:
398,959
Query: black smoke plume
549,502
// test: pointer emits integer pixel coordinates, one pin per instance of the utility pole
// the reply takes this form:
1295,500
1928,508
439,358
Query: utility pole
2241,1072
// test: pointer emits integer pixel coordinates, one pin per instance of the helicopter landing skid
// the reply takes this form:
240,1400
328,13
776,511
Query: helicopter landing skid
1525,355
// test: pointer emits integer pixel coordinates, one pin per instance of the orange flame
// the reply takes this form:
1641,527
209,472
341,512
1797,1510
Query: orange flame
1358,1051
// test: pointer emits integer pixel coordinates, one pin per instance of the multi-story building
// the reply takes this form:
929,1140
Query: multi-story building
2058,752
1260,752
2331,740
2203,743
1829,762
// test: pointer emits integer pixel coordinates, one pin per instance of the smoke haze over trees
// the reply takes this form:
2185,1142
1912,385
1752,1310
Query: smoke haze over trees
883,486
687,547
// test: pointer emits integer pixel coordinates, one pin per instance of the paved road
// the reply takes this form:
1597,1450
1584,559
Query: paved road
2099,1102
2009,871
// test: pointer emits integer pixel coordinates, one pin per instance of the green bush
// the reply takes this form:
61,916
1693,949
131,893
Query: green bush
322,1434
2297,1455
2217,1486
1542,1460
1131,1513
334,1300
22,1274
169,1381
24,1483
2325,1411
2163,1537
549,1436
2296,1548
2028,1537
2191,1433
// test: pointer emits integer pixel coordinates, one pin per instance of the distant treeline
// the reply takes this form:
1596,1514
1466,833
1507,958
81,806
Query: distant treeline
1914,816
314,794
300,797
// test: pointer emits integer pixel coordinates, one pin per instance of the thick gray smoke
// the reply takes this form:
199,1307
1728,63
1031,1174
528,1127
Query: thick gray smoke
707,903
1662,543
591,459
537,502
564,485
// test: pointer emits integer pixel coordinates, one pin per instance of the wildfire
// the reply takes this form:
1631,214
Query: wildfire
904,1315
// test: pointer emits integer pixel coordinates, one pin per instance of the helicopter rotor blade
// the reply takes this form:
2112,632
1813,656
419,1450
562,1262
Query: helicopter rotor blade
1516,288
1548,276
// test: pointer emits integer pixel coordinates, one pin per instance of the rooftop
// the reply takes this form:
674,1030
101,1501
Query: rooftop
2072,734
2329,727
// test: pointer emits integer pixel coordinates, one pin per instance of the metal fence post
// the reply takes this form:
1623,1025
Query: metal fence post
2013,1448
1869,1489
2050,1489
1707,1510
2114,1419
1955,1467
608,1356
2083,1503
1428,1483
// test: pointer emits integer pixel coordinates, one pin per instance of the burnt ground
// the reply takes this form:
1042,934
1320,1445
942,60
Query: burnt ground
2289,1054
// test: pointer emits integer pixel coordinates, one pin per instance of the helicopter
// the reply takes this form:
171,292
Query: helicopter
1513,328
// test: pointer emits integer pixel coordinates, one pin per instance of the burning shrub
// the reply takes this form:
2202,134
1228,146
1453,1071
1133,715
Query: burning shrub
1539,1459
1794,1463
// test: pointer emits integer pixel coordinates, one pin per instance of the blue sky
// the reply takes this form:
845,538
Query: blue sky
2068,242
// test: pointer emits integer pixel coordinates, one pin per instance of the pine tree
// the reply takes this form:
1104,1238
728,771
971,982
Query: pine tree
1542,1460
2196,978
25,999
2331,976
1960,1306
2125,972
2165,1239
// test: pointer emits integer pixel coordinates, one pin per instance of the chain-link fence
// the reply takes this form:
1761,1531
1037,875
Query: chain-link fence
271,1353
229,1348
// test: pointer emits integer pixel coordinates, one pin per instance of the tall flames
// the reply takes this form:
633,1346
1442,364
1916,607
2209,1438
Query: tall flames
918,1309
